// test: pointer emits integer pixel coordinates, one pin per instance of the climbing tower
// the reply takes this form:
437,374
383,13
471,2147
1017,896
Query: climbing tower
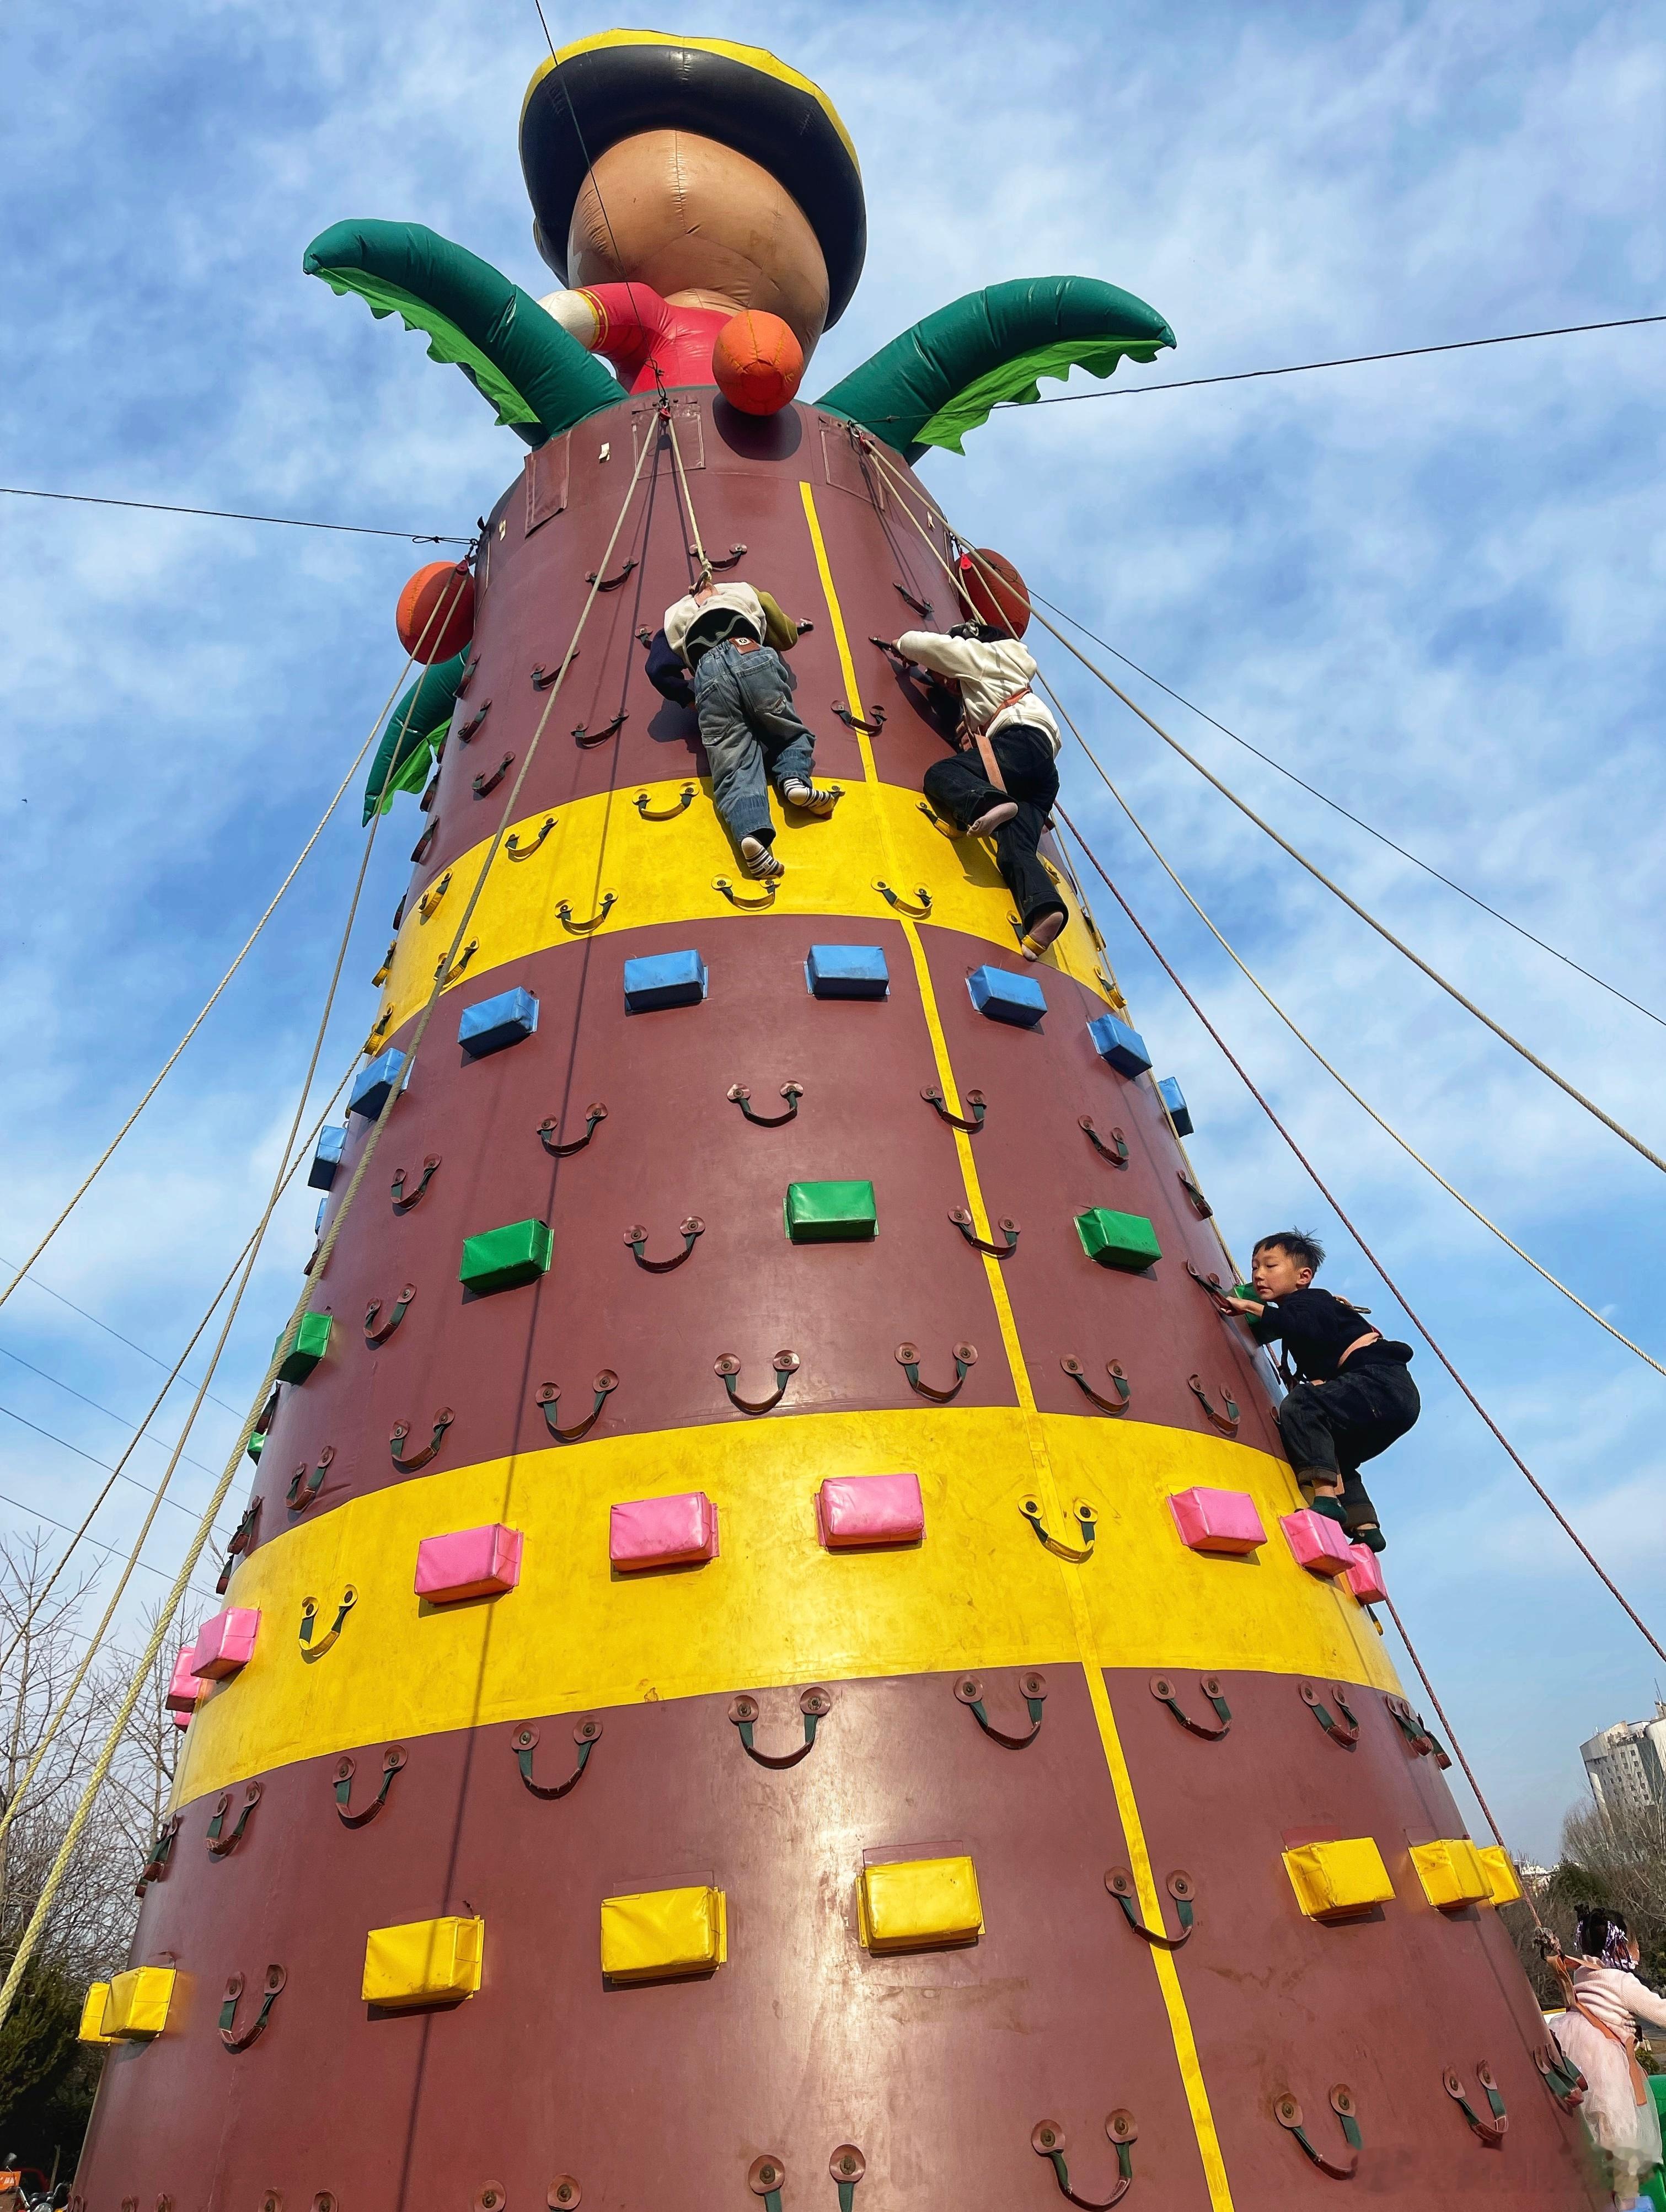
830,1689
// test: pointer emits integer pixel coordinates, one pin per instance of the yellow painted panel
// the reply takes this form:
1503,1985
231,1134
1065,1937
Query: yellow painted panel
1331,1879
775,1607
94,2005
920,1905
423,1961
138,2004
1500,1874
659,1934
663,871
1451,1873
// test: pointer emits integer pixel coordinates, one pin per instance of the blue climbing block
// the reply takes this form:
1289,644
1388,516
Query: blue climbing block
1169,1090
509,1018
1005,997
664,979
332,1144
369,1093
1125,1048
846,971
318,1225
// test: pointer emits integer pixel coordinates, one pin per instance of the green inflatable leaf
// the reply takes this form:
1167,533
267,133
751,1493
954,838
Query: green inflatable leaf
413,731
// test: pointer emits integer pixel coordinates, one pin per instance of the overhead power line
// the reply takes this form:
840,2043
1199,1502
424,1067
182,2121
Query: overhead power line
52,1437
155,1360
231,515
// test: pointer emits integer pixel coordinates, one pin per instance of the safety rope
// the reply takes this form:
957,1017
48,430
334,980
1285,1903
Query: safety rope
700,553
104,1157
1301,1038
1266,827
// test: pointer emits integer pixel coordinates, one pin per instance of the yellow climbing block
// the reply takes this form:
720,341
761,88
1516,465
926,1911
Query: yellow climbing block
137,2005
423,1961
1452,1873
658,1935
1335,1879
919,1904
93,2007
1500,1874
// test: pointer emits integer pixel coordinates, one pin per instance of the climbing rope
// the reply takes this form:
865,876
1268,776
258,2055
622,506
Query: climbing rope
1266,827
1387,1128
700,552
104,1157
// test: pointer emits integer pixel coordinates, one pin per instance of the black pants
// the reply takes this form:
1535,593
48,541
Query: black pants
1332,1428
958,787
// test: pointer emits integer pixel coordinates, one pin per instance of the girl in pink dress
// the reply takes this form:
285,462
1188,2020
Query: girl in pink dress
1598,2033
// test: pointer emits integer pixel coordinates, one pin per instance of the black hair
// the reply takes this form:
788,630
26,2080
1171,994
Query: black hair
985,633
1597,1928
1306,1251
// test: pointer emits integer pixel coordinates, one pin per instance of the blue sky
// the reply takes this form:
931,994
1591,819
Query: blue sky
1430,587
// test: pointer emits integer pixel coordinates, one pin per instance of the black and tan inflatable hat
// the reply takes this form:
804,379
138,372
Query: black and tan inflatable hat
621,83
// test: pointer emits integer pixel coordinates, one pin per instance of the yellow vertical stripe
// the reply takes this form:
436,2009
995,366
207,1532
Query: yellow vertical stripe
852,695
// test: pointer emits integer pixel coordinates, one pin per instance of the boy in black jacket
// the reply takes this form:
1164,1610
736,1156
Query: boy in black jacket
1349,1395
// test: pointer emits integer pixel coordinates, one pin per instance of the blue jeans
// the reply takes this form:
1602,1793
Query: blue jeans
752,735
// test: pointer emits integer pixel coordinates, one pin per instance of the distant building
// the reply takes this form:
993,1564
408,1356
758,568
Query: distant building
1625,1765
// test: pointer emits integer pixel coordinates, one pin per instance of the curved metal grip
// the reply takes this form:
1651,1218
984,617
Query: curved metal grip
636,1238
547,1396
309,1648
847,2165
1288,2114
564,914
382,972
853,721
907,1358
785,1365
1201,1205
467,731
740,1096
612,583
1565,2083
1032,1687
482,784
242,1542
593,1113
1215,1288
432,896
1163,1689
685,800
747,906
1032,1510
424,846
543,677
1417,1732
1119,1382
276,1978
392,1759
401,1429
155,1867
895,898
1345,1731
1047,2139
1008,1228
220,1845
583,736
396,1188
814,1704
736,553
1226,1422
511,843
523,1743
943,829
374,1336
975,1099
1120,1882
459,963
1492,2130
304,1487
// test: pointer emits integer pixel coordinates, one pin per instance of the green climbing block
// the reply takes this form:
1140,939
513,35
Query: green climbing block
256,1446
311,1342
830,1212
1118,1240
499,1258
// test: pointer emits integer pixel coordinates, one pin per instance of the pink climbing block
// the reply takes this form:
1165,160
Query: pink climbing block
184,1690
469,1562
225,1643
1317,1541
870,1509
1217,1520
663,1531
1365,1575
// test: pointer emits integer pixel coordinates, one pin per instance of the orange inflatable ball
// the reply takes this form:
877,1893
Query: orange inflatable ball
1001,597
757,362
436,611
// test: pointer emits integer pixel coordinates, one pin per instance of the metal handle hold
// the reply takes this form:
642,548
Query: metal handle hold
766,2177
583,736
907,1358
854,721
847,2165
814,1704
424,845
220,1845
975,1099
396,1188
736,553
943,829
747,906
432,896
392,1759
482,784
242,1542
685,800
1049,2140
1032,1687
276,1978
304,1486
784,1365
543,677
740,1096
593,1114
636,1238
1163,1689
459,963
524,1742
1491,2131
372,1336
1216,1290
381,974
1417,1732
1565,2083
1119,1382
155,1867
309,1649
895,899
548,1395
467,731
564,914
1346,1731
921,607
1288,2114
1201,1205
1120,1882
512,843
1008,1228
442,1421
612,583
1116,1152
1226,1422
1032,1510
